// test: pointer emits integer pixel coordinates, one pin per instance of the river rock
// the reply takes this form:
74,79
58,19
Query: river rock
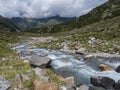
18,80
68,80
4,84
37,61
71,87
104,67
117,85
43,85
105,82
41,73
96,88
83,87
25,77
89,57
80,51
26,61
118,69
68,87
63,88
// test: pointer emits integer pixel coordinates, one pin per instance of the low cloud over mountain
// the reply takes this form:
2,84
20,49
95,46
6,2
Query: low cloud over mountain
46,8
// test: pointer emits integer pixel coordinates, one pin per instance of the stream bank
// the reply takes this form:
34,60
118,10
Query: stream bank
90,69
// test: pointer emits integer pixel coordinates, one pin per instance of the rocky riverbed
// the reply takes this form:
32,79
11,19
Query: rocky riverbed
91,71
62,68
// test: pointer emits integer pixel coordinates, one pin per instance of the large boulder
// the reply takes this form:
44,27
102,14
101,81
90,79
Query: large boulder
37,61
43,85
105,82
4,84
118,69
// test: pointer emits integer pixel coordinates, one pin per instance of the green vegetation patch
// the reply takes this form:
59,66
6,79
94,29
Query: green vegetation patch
54,78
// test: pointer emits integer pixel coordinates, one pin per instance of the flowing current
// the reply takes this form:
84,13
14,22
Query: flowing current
68,65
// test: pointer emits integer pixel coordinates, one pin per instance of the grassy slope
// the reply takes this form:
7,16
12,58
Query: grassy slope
7,39
107,31
10,65
7,25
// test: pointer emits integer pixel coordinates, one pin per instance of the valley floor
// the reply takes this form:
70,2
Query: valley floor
12,68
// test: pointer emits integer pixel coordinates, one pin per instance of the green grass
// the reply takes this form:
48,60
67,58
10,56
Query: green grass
7,40
18,67
50,45
107,31
10,66
54,78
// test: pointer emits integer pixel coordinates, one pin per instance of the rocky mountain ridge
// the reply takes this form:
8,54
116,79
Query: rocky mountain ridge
7,25
108,10
28,23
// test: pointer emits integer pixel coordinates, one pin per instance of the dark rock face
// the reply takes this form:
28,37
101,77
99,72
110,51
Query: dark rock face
37,61
105,82
118,69
96,88
96,81
117,85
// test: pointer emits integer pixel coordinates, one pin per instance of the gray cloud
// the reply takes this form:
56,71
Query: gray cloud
46,8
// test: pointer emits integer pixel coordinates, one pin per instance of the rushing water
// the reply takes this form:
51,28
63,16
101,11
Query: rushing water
67,65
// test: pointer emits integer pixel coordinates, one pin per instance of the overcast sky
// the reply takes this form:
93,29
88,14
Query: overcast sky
46,8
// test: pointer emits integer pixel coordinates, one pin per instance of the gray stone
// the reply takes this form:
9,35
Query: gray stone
89,57
4,84
41,74
37,61
118,69
83,87
105,82
96,88
80,51
117,85
25,77
71,87
68,87
18,80
62,88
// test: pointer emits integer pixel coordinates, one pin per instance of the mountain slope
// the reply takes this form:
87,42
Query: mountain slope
28,23
7,25
104,12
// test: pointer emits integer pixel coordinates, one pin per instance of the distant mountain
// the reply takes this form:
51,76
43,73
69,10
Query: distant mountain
7,25
108,10
28,23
